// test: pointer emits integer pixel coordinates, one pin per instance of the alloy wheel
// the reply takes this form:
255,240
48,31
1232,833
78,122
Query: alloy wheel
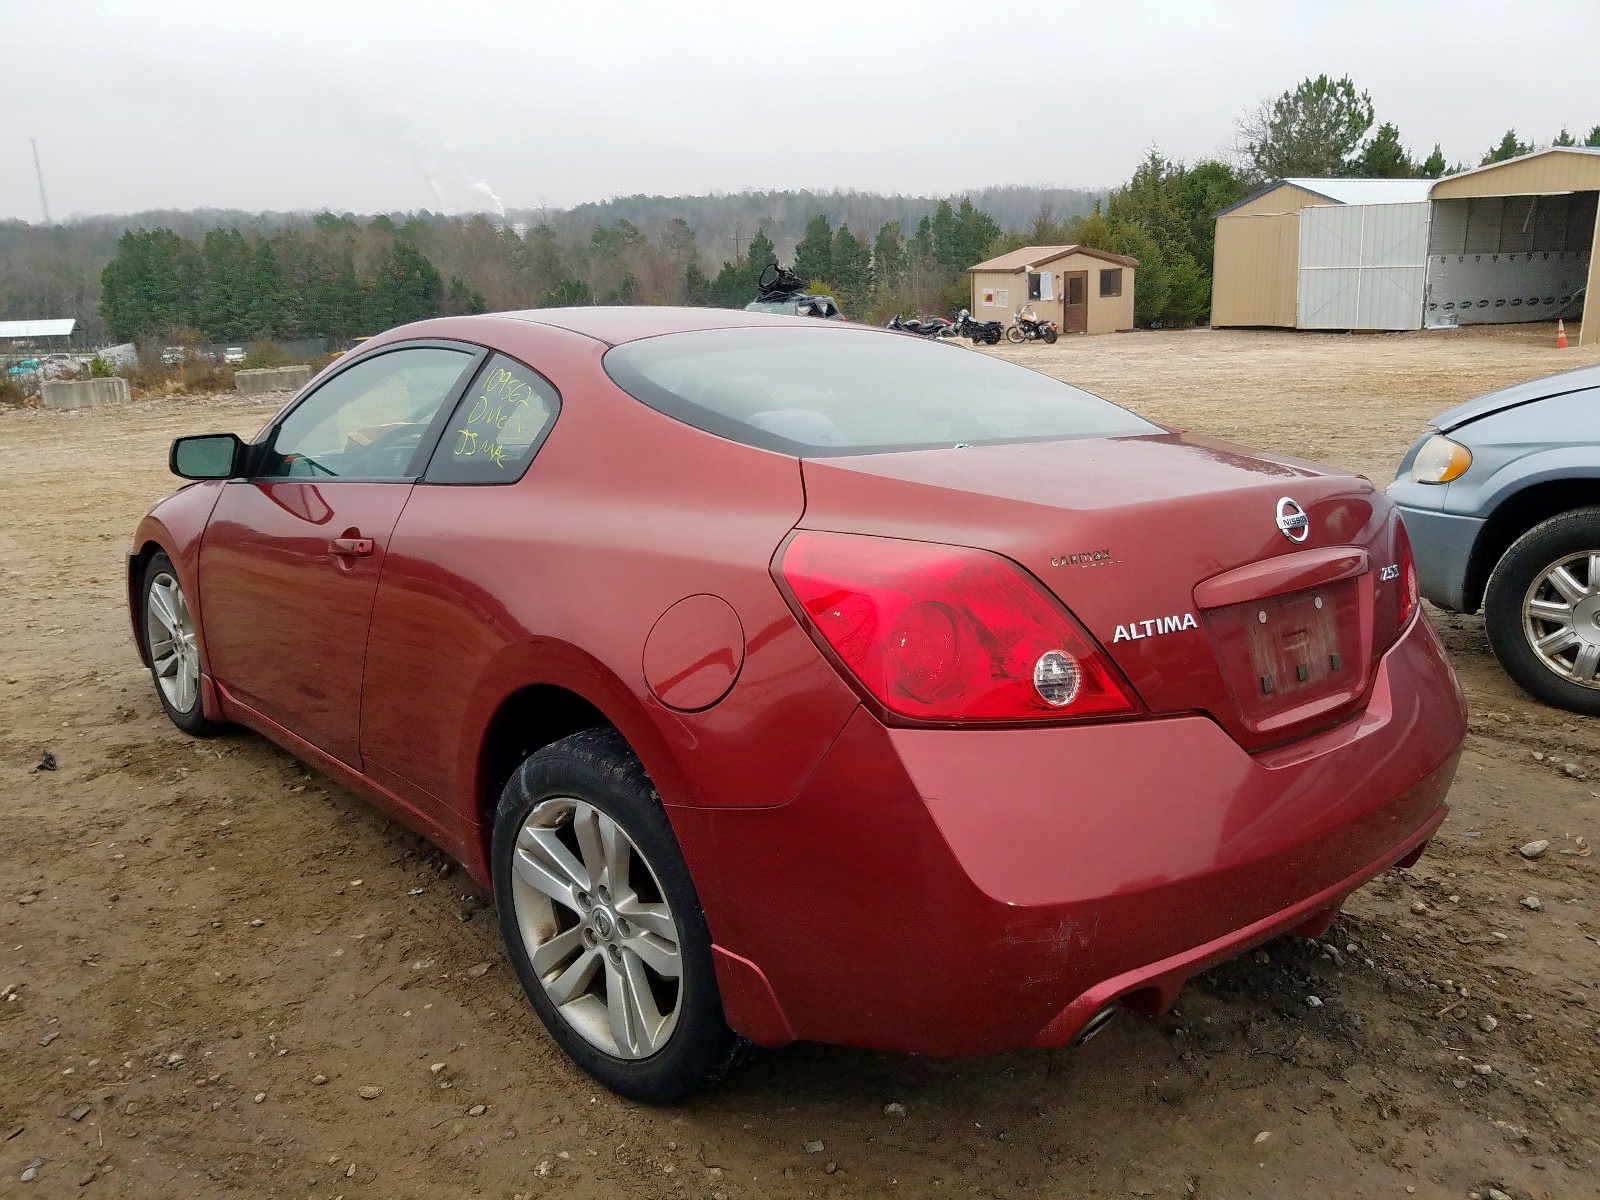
169,633
598,930
1561,618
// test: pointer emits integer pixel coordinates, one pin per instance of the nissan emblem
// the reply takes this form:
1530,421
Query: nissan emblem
1292,520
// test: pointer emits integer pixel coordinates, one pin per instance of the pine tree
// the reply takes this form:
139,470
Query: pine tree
1564,138
813,257
1384,157
268,311
852,269
1509,147
1313,130
224,311
1594,137
1433,167
888,260
405,287
696,285
152,285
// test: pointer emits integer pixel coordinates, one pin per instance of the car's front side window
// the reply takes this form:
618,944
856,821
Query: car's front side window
368,421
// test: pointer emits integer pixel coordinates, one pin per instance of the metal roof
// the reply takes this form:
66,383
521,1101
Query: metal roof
37,329
1347,191
1368,191
1038,256
1506,162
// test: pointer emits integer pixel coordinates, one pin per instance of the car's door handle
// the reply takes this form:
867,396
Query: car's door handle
352,547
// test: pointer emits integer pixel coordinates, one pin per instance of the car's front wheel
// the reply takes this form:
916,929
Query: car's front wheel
172,644
1542,610
603,924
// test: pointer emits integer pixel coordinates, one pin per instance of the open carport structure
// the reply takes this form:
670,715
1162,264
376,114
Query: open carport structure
1500,244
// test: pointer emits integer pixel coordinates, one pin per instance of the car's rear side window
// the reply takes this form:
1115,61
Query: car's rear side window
497,428
825,391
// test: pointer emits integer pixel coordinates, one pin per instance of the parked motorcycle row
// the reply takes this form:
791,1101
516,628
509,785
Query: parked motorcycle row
1027,328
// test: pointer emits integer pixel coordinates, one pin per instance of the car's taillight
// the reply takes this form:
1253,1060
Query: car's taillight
1410,596
945,633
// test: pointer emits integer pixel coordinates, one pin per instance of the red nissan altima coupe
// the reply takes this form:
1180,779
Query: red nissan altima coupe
789,680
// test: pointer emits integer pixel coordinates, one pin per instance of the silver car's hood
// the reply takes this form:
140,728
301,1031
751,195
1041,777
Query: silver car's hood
1559,384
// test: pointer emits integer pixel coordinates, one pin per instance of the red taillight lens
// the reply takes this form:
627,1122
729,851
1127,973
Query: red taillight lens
944,633
1410,596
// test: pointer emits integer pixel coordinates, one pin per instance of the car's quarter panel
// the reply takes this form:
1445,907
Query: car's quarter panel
285,612
1031,867
560,578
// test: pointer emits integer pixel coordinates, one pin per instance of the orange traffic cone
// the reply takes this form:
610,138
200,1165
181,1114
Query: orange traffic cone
1561,335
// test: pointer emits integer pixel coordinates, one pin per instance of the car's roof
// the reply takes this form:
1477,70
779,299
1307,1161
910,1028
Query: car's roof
616,325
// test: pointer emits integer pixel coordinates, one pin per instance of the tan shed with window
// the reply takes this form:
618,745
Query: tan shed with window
1081,289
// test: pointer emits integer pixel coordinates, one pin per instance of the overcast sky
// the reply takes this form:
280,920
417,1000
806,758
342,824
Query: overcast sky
463,105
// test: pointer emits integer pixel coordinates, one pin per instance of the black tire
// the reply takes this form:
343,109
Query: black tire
994,337
1514,577
1014,335
191,719
597,768
1050,337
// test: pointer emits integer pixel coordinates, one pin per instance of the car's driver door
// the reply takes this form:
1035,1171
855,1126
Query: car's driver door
291,557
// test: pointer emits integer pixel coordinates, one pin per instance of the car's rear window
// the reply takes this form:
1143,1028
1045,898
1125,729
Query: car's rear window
826,391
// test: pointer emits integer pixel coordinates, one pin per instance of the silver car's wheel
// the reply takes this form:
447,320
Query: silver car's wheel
1541,609
597,928
1561,618
170,636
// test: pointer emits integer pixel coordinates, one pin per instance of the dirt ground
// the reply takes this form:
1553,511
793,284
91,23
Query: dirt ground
210,956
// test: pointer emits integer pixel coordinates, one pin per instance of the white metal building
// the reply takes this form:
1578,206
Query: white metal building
1510,242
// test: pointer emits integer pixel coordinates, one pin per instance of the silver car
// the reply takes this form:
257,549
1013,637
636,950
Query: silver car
1501,499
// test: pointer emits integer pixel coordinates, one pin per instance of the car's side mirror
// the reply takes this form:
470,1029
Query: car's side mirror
207,456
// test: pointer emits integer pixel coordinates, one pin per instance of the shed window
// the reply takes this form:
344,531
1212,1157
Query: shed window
1111,282
1039,285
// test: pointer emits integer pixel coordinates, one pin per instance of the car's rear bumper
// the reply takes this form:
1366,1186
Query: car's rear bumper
944,891
1442,545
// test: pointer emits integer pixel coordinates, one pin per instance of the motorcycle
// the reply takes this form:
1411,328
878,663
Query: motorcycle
987,332
928,327
1029,328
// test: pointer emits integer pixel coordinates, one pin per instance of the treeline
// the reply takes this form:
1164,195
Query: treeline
56,270
341,278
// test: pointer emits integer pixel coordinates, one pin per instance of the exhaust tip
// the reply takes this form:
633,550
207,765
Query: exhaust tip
1096,1023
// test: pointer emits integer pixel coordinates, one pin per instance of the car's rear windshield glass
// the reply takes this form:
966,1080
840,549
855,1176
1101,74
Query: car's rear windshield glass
828,391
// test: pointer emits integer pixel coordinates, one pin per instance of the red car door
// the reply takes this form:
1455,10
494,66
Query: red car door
291,557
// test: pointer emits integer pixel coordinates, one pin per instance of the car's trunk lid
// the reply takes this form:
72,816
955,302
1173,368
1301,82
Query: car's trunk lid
1169,549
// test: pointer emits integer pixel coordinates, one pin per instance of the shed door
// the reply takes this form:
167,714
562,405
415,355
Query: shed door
1075,302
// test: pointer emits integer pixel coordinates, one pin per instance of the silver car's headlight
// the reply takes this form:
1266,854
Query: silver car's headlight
1440,460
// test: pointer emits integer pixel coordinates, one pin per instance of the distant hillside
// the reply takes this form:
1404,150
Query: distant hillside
716,219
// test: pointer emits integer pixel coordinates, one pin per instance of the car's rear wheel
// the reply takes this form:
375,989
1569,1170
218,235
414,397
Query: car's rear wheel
172,644
1542,611
602,922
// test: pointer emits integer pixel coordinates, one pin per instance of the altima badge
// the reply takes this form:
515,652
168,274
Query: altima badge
1292,520
1135,631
